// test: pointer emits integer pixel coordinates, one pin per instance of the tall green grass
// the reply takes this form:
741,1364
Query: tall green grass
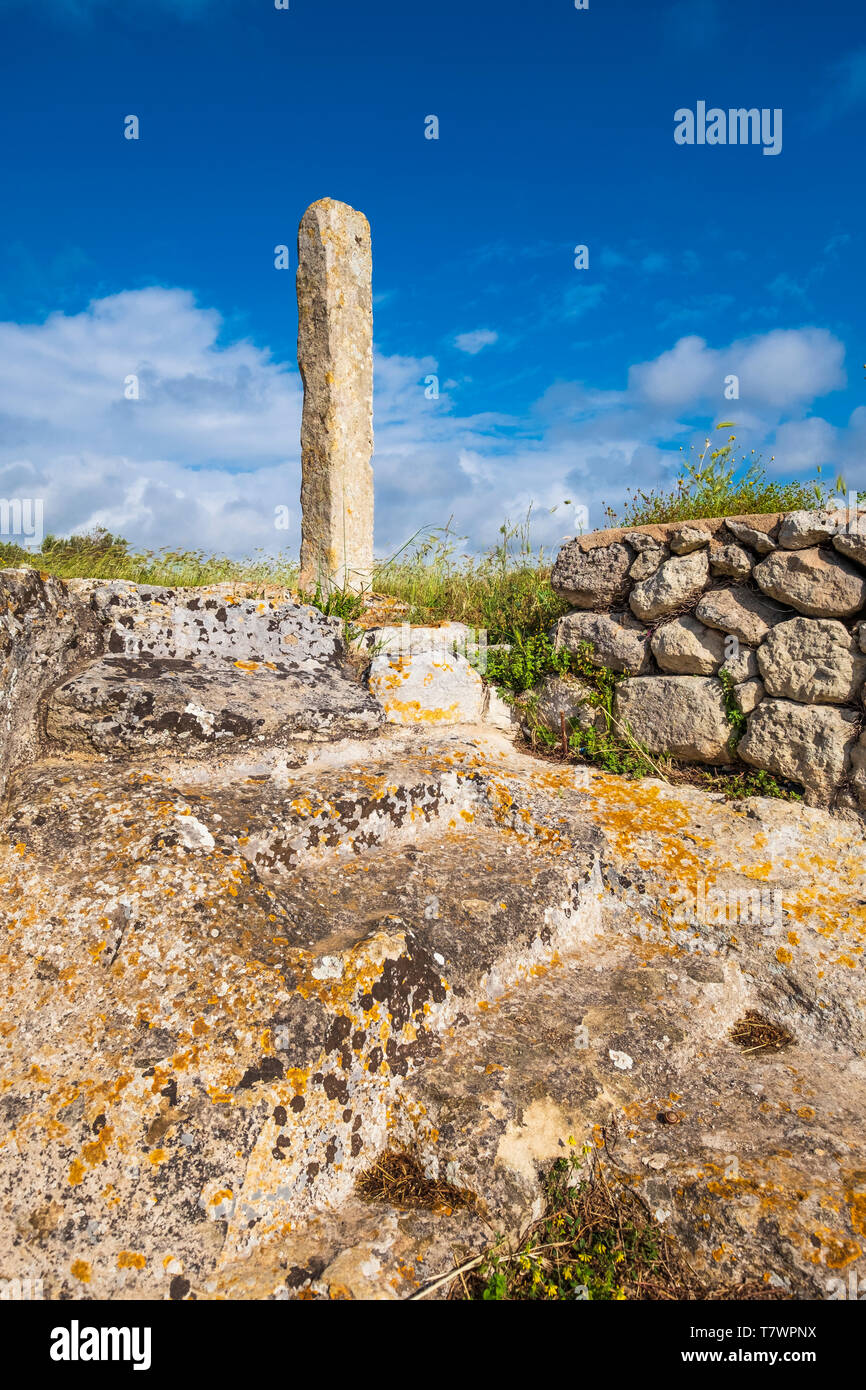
100,555
506,591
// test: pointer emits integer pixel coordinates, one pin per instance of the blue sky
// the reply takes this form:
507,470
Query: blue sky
156,256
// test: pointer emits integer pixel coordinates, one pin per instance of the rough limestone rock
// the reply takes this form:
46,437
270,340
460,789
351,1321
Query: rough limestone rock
743,666
641,541
815,582
619,640
335,355
740,613
591,578
677,584
559,695
683,716
852,542
646,563
231,984
813,660
808,744
730,562
427,686
860,634
804,529
858,770
752,535
193,668
687,538
45,633
749,694
455,637
686,647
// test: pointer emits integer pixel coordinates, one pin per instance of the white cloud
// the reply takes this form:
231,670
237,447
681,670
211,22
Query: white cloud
202,458
780,370
473,342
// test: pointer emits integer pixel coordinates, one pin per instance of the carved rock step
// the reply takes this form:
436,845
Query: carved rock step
185,670
158,703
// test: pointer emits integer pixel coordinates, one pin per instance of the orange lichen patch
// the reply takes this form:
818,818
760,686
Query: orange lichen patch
411,712
81,1270
77,1172
783,955
836,1251
129,1259
857,1209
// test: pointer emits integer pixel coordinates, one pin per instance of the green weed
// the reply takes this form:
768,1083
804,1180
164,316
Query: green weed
714,483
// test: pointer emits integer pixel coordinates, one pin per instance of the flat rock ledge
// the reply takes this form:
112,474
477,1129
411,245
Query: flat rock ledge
232,981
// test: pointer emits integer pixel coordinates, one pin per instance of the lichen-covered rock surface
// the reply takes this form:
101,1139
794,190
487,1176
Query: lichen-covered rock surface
231,982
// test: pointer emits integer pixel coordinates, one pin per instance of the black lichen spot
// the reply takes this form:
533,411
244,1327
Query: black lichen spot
179,1287
357,1145
339,1032
331,1151
268,1069
336,1088
170,1092
298,1104
280,1115
98,1124
299,1274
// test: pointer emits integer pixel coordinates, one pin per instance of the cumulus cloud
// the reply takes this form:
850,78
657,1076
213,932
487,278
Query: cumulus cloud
211,448
781,370
203,456
476,340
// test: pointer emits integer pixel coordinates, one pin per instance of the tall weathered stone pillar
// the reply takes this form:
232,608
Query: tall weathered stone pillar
335,355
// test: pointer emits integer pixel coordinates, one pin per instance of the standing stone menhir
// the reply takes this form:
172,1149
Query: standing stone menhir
335,355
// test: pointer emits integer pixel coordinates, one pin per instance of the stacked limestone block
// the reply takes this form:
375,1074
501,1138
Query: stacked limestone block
777,601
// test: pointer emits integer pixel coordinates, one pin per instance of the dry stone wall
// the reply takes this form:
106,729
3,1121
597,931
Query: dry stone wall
776,603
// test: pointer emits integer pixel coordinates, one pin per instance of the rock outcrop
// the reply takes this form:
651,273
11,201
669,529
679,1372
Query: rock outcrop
243,963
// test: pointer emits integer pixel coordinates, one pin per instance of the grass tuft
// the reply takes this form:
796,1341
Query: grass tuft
714,483
398,1178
